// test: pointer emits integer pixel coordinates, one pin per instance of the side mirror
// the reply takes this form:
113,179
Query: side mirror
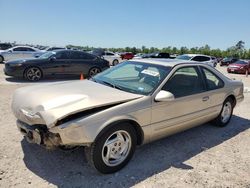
52,58
10,51
164,96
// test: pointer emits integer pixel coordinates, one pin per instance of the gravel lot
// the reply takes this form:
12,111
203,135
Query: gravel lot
204,156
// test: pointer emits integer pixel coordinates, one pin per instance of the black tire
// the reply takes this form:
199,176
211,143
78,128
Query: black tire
115,62
33,74
1,59
97,152
93,71
221,121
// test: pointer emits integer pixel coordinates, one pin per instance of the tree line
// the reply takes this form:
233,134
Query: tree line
238,50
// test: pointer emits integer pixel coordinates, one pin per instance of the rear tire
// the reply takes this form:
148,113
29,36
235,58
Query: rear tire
112,149
226,113
93,71
1,59
115,62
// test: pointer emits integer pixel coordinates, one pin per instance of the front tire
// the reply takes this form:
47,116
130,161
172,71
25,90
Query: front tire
33,74
112,149
226,113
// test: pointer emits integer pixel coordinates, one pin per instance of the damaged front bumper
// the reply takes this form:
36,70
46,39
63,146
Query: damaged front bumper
39,134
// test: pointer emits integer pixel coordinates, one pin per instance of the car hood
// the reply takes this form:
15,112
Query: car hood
28,60
236,65
48,103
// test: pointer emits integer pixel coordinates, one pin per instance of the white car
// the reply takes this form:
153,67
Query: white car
199,58
112,58
19,52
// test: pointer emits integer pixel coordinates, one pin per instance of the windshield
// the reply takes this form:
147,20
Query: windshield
134,77
227,59
47,55
183,57
241,62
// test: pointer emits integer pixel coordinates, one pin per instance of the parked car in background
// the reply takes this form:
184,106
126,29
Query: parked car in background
19,52
228,60
111,57
133,103
138,55
199,58
239,66
53,48
5,46
157,55
59,62
127,55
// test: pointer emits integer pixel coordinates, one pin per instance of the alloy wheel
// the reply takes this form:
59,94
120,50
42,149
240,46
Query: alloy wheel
116,148
94,71
226,112
33,74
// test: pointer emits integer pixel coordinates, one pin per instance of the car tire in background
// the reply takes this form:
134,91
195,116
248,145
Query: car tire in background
113,148
226,113
33,74
93,71
1,59
115,62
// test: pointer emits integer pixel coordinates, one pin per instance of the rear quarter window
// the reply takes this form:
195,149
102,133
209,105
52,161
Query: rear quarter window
212,80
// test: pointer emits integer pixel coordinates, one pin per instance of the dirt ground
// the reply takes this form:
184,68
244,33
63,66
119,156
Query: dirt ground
205,156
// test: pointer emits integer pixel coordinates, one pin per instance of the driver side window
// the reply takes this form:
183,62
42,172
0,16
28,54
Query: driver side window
62,55
185,81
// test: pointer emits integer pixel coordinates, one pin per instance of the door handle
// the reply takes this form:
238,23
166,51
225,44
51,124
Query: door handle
205,98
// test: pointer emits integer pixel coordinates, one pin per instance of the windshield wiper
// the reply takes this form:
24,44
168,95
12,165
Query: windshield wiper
112,85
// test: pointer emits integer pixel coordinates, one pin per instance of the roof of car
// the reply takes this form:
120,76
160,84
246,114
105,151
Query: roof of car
192,55
164,62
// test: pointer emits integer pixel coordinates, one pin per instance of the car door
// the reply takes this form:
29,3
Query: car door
190,106
80,62
14,53
215,89
28,52
59,63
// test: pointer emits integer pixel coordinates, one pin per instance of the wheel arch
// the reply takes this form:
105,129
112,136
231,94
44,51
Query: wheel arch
233,98
137,128
30,66
2,58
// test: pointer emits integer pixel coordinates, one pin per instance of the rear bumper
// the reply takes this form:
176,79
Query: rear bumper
232,70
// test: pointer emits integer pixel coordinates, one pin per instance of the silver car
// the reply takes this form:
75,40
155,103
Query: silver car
212,61
131,104
19,52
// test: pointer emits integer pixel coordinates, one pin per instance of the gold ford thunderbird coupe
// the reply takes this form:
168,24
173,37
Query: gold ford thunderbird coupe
133,103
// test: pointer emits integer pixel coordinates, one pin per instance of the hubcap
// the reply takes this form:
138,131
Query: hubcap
33,74
93,72
116,148
226,112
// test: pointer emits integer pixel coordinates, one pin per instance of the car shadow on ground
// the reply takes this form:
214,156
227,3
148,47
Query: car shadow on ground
71,169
